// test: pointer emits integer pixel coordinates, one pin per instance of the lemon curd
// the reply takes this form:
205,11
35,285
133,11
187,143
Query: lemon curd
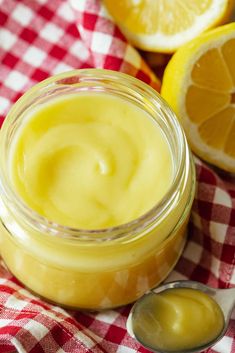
91,161
178,319
96,184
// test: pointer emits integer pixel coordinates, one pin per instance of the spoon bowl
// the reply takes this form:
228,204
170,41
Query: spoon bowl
225,298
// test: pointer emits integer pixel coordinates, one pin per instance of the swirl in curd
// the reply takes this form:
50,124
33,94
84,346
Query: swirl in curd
90,161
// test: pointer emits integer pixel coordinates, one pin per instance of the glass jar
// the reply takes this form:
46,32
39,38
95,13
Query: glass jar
96,269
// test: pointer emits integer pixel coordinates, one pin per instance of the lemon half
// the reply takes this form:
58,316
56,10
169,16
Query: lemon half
165,25
199,84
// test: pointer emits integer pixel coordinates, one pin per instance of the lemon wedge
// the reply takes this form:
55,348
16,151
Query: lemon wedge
199,84
164,25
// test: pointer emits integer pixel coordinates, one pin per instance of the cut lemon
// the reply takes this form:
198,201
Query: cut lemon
199,84
164,25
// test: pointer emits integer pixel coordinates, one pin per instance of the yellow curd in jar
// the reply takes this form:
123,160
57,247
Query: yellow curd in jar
96,189
178,319
90,161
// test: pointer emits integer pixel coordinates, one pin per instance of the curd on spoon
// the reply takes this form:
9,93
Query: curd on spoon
181,316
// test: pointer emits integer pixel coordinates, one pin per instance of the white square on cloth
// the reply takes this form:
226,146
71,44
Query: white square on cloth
124,349
36,329
15,303
78,5
224,345
51,33
22,14
15,80
79,50
7,39
61,67
4,103
34,56
66,12
101,42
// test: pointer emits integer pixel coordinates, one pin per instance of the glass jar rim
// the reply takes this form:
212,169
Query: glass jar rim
81,77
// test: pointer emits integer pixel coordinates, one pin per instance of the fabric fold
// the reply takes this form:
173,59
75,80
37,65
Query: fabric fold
107,46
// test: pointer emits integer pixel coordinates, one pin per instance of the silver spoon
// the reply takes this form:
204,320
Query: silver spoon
225,298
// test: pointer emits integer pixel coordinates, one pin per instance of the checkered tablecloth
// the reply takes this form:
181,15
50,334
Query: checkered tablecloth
39,38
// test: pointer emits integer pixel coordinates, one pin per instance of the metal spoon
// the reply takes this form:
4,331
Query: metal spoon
224,297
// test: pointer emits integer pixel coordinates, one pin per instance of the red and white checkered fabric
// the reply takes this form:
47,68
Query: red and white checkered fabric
39,38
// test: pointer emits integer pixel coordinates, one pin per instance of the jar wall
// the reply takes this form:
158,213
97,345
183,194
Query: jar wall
74,288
